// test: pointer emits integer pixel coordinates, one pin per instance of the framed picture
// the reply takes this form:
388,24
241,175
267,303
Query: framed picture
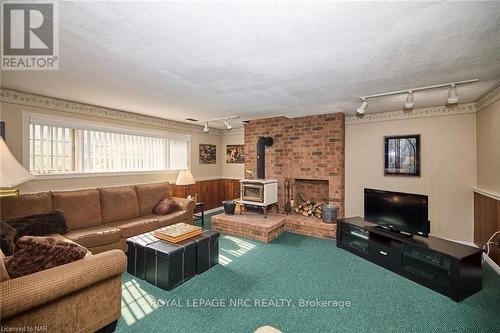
208,153
235,154
402,155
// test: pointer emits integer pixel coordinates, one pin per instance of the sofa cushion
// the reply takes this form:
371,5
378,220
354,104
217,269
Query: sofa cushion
82,208
176,217
118,203
149,195
95,236
4,275
120,245
45,224
34,254
26,204
136,226
7,235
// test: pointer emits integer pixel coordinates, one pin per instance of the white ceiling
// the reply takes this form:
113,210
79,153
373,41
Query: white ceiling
209,60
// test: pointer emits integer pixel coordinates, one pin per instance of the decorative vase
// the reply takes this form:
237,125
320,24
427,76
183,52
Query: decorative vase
229,207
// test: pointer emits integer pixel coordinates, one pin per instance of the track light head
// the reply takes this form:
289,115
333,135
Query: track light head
205,128
228,125
410,100
452,94
362,109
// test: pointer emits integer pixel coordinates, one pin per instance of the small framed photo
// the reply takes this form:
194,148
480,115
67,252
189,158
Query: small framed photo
235,154
208,153
402,155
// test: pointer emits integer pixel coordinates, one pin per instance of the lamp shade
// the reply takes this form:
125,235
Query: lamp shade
12,173
185,178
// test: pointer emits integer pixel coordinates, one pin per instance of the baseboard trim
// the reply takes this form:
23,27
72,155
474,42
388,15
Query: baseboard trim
492,264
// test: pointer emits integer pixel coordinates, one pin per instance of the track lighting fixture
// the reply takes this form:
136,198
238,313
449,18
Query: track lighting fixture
452,94
410,101
228,125
362,108
224,120
453,97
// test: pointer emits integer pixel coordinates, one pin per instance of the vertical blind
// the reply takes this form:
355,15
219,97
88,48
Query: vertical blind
57,149
51,149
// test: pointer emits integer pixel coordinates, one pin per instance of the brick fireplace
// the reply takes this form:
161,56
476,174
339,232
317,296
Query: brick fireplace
316,190
309,150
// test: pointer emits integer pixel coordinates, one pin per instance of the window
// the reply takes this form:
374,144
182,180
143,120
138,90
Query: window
61,147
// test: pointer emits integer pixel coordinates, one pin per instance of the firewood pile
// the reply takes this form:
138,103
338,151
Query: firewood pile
310,208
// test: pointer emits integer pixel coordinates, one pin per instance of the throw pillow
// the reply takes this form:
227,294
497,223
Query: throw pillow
7,235
4,275
166,206
34,254
45,224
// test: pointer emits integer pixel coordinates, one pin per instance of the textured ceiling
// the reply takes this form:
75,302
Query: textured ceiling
209,60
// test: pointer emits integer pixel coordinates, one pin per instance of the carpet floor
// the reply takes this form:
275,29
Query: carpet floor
259,284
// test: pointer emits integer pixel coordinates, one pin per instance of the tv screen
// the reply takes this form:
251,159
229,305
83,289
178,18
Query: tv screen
398,211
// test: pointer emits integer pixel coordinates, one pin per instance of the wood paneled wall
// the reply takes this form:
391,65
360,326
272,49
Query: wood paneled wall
211,192
486,222
231,189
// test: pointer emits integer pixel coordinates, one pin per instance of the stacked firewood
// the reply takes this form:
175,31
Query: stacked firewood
310,208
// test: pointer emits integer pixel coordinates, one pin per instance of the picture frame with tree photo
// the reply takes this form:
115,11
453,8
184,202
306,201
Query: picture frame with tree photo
402,155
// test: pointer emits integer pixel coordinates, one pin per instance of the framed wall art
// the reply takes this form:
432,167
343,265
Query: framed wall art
208,153
235,154
402,155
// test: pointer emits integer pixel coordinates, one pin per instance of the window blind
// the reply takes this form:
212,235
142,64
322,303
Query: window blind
51,149
66,149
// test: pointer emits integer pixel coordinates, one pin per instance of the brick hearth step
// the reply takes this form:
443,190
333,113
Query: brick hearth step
254,226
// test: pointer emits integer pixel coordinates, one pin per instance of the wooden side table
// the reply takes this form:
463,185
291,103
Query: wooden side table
200,208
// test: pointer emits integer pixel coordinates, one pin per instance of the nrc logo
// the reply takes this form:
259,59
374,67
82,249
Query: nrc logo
28,29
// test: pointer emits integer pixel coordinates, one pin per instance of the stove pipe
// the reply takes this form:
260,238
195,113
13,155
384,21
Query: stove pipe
262,143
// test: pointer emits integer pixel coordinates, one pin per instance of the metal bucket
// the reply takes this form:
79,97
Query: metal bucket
229,206
329,213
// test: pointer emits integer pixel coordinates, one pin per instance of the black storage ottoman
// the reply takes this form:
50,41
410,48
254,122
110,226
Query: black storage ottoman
207,251
188,258
167,265
213,248
164,265
136,253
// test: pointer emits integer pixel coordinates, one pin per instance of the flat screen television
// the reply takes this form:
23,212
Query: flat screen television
399,212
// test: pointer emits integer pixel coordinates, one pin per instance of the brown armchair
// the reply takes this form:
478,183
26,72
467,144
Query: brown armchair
82,296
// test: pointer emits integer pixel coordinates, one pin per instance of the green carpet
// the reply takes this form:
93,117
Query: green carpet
297,267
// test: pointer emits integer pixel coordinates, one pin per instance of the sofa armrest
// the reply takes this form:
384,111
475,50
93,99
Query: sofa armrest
186,204
32,290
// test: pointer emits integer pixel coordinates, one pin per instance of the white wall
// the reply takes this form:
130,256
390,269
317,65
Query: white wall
448,168
232,170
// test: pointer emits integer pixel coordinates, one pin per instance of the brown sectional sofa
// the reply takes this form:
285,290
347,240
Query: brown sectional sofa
85,295
102,219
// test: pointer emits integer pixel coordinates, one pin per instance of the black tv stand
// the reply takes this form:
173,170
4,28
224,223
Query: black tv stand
393,231
450,268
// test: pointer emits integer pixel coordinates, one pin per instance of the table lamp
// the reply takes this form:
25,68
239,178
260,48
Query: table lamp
185,178
12,173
